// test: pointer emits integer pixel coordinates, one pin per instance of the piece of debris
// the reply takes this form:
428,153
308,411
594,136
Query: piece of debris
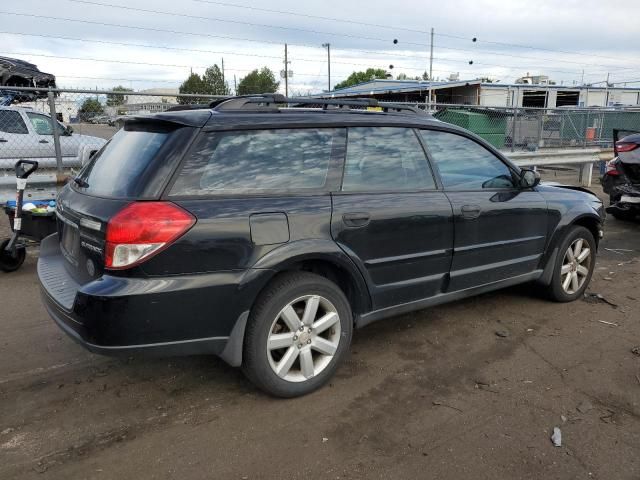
585,406
529,330
563,418
437,403
502,333
619,251
609,323
607,278
325,439
638,378
556,438
636,350
7,431
597,298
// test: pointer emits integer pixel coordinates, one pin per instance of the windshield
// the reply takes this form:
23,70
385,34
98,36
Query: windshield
118,169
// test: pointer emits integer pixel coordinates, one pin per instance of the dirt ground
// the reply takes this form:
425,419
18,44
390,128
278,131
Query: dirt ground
434,394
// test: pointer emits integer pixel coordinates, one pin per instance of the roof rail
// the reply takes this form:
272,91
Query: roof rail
272,101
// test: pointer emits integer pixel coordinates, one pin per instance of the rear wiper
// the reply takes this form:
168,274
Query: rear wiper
80,182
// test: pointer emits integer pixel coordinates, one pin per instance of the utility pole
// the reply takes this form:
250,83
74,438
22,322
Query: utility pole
431,56
286,72
430,69
223,71
328,47
235,85
582,78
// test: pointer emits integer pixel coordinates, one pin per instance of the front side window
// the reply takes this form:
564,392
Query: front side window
11,122
259,161
464,164
42,124
385,158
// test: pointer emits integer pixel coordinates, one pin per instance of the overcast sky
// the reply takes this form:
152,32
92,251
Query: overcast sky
148,49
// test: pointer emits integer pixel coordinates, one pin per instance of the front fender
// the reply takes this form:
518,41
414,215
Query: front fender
576,216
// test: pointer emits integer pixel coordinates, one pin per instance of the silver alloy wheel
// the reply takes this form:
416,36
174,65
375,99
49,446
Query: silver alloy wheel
575,266
303,338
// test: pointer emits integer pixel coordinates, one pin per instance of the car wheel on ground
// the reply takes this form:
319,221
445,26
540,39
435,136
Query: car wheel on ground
297,334
574,265
9,262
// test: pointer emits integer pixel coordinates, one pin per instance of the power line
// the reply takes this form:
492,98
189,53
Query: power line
213,36
530,47
237,22
393,27
307,15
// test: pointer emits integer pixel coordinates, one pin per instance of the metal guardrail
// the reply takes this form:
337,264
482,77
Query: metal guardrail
583,158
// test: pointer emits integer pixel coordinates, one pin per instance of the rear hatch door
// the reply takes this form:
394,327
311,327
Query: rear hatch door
135,165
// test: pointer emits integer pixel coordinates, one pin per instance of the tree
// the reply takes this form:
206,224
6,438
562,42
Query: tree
262,81
193,84
214,83
402,76
90,108
361,77
115,99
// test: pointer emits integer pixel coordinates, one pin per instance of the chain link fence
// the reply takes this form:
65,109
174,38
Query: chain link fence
86,119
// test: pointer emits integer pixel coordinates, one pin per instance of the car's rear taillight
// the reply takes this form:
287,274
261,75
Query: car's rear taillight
612,168
626,146
143,229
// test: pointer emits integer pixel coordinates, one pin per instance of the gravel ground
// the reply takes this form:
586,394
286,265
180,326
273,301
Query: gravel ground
436,394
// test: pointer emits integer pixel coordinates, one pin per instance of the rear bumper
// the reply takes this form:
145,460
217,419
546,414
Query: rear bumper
200,346
160,316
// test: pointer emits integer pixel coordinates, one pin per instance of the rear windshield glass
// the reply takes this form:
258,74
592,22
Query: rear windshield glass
259,161
117,170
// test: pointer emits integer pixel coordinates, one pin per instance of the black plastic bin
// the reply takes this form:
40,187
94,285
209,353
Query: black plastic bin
35,226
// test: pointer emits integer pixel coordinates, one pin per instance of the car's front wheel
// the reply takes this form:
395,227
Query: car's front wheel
298,332
574,265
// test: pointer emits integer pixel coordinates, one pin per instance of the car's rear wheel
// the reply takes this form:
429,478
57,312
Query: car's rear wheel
574,265
298,332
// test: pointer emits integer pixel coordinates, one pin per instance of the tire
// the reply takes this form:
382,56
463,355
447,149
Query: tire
8,262
559,289
302,356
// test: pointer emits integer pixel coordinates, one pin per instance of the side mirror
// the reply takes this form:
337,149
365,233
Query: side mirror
529,178
69,130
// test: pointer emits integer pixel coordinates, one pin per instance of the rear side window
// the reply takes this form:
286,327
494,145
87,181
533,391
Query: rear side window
464,164
385,158
11,122
118,169
259,161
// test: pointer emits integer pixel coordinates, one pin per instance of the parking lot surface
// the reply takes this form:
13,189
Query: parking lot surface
471,389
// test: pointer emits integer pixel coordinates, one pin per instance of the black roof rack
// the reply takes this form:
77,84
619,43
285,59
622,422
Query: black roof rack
273,101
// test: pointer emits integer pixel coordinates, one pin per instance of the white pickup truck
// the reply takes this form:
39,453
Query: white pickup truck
27,134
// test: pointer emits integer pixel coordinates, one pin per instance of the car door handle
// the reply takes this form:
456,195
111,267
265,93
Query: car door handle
356,219
3,140
43,141
470,211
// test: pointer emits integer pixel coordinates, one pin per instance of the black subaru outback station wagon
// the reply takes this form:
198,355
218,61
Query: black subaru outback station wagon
265,234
